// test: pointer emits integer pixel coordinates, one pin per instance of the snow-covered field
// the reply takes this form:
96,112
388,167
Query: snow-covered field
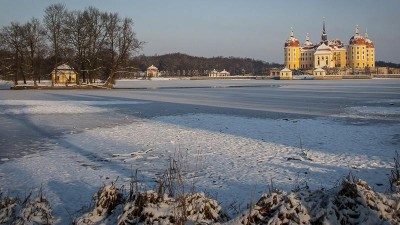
229,157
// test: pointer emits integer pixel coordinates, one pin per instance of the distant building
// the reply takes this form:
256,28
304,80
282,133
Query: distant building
224,73
152,71
285,74
215,73
319,72
63,74
359,54
274,72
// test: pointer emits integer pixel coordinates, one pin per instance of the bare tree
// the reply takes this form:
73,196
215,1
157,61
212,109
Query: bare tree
122,42
95,43
34,36
54,20
77,39
12,37
95,22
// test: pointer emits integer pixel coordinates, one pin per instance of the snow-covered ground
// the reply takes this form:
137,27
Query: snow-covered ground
231,157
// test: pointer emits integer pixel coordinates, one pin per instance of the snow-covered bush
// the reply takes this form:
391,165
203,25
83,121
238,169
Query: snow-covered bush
394,178
30,211
7,208
150,208
352,203
106,200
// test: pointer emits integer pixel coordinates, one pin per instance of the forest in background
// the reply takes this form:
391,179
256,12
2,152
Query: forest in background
178,64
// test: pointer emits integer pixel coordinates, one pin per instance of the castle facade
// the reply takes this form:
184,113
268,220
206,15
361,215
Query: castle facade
359,54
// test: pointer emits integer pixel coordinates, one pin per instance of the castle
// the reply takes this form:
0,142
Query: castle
359,54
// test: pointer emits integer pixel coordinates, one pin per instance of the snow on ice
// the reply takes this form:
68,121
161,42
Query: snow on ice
227,157
232,159
57,107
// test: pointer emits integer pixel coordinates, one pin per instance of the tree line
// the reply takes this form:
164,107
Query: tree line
178,64
99,45
387,64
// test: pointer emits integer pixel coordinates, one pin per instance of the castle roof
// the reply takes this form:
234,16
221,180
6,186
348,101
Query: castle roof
152,67
357,39
369,43
285,70
292,41
336,44
323,49
308,44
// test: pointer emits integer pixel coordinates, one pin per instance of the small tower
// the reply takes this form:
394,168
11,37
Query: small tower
324,36
357,31
307,54
370,51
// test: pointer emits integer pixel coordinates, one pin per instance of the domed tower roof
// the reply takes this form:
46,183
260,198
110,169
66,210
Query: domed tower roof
369,43
308,44
292,41
357,39
336,44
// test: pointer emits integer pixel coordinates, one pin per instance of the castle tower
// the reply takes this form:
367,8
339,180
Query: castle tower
307,54
292,52
357,51
323,55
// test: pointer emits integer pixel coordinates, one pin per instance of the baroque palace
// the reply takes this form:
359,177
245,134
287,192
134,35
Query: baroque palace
359,54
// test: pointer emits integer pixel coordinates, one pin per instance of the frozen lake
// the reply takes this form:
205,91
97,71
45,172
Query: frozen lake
236,135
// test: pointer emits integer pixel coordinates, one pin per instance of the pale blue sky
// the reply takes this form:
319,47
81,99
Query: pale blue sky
242,28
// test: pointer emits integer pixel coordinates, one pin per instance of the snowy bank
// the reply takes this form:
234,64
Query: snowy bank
5,84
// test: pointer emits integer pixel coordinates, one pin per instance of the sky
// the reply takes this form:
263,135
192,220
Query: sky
240,28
